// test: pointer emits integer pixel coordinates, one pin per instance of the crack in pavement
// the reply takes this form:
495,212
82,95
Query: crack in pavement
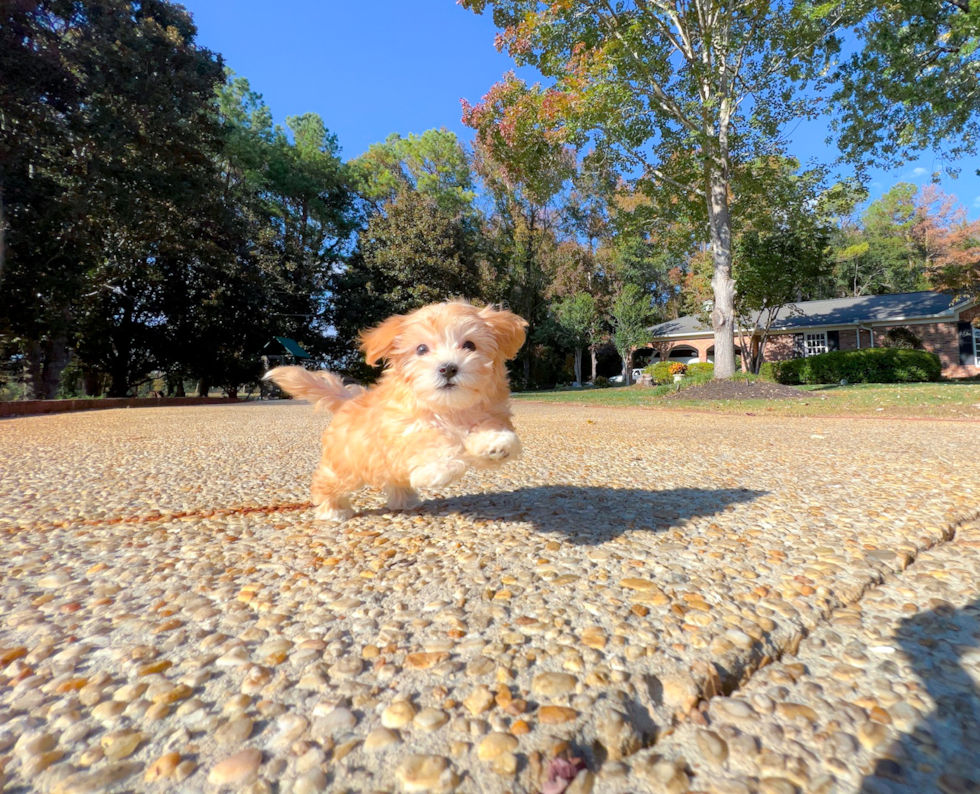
710,682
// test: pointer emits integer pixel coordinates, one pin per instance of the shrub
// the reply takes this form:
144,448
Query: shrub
902,338
767,371
676,368
600,382
870,365
660,372
701,368
697,378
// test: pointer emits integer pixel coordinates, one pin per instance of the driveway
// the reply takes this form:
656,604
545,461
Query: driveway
683,601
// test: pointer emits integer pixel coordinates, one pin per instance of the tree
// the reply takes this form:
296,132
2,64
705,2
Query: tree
297,212
42,235
914,84
576,318
523,171
422,241
106,165
433,163
875,252
681,93
949,241
415,253
631,320
772,272
151,134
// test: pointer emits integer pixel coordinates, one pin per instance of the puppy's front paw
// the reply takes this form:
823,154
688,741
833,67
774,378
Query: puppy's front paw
335,512
494,446
437,474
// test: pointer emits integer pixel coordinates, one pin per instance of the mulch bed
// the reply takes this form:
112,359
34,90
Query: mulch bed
738,390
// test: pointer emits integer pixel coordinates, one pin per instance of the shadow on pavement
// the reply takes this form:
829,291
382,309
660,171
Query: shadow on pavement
940,753
589,515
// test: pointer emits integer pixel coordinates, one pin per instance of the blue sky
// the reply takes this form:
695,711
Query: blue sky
373,68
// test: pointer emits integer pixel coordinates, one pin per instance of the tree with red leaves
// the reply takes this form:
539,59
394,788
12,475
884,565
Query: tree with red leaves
949,241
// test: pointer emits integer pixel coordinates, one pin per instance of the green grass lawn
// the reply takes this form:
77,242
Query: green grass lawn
950,400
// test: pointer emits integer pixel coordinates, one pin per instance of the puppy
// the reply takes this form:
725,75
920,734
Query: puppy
440,407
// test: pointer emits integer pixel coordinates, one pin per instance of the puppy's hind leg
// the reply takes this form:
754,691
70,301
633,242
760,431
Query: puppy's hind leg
331,496
401,497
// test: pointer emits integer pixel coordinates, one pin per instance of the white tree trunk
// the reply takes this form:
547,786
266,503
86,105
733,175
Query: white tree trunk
578,365
723,312
628,368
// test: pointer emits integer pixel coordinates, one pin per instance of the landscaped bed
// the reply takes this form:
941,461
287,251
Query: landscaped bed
738,390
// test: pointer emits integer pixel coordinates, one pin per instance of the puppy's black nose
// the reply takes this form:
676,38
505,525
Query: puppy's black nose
449,371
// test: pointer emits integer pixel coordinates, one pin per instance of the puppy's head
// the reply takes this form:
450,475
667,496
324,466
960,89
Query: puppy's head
450,354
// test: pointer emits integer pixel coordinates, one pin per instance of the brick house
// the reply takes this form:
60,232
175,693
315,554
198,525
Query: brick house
811,327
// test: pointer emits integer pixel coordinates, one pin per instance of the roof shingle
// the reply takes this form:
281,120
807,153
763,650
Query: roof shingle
837,311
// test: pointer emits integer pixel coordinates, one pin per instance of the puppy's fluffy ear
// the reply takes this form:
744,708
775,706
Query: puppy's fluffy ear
507,328
378,343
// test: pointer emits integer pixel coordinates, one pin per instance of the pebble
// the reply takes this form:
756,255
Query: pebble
121,744
54,580
398,714
504,764
108,711
555,715
430,719
234,731
734,709
426,773
797,711
237,768
584,782
337,721
35,764
380,738
310,782
348,667
290,727
425,661
162,768
495,744
680,692
714,748
551,684
776,785
479,700
96,780
872,735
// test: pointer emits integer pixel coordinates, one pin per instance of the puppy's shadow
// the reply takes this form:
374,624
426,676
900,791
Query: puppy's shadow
591,515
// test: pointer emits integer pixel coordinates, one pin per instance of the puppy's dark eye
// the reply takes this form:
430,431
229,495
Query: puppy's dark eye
468,345
421,350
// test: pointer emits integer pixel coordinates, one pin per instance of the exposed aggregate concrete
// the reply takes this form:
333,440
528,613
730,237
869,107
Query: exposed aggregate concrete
171,616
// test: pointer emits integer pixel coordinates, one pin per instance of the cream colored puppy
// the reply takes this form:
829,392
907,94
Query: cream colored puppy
440,407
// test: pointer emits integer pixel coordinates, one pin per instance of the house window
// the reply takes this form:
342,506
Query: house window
815,343
976,345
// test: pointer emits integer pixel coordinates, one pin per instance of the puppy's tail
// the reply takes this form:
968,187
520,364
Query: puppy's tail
324,389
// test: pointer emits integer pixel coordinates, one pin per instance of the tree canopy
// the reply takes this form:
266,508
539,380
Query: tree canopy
914,84
681,96
158,226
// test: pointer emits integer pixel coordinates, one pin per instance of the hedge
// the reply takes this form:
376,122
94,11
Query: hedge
870,365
